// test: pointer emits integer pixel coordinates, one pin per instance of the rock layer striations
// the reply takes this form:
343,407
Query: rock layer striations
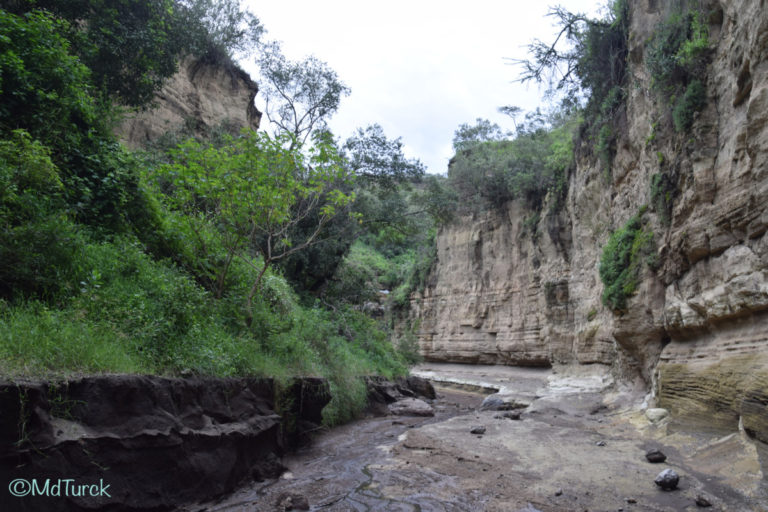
696,327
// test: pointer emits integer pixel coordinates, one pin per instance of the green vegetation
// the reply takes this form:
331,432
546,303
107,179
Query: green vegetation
228,256
677,58
628,248
487,173
594,63
663,191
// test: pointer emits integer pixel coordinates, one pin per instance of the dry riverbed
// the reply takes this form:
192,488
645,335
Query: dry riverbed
579,444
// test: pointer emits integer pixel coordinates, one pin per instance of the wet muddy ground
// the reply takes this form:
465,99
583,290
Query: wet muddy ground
579,446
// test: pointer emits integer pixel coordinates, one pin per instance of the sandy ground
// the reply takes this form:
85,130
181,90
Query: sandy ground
579,446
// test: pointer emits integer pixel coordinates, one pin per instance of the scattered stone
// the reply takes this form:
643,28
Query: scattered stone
497,402
655,456
411,407
421,387
703,501
479,430
559,492
667,480
655,415
631,501
509,415
292,501
600,443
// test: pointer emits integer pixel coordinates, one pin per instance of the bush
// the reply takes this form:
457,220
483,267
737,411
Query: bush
528,167
677,57
622,259
693,100
663,191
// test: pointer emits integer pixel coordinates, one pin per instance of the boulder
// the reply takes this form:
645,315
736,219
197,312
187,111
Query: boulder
411,407
667,480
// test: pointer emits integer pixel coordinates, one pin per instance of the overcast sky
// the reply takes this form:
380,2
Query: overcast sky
419,68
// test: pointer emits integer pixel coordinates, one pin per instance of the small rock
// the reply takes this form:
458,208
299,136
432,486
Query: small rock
559,492
655,415
411,407
631,501
291,501
655,456
510,415
497,402
479,429
667,480
600,443
703,501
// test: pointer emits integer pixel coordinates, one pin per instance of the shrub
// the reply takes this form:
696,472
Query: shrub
663,190
621,261
693,100
677,57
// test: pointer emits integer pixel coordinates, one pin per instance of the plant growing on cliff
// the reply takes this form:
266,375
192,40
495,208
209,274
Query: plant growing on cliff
677,57
535,163
628,248
587,58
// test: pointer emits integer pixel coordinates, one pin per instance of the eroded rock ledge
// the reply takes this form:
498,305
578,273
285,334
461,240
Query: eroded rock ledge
156,442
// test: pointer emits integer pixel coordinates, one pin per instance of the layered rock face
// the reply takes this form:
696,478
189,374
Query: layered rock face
696,329
201,96
144,442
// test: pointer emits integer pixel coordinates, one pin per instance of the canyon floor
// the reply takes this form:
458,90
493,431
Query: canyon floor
578,445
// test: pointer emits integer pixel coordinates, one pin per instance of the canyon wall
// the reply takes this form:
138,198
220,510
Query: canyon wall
200,97
696,327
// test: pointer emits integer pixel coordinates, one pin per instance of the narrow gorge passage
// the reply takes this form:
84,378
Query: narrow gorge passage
557,441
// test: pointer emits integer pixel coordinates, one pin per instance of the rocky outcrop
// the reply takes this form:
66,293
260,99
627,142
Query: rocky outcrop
201,96
696,328
145,443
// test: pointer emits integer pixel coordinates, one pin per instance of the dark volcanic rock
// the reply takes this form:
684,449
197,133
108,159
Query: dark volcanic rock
421,387
497,402
655,456
382,392
156,442
292,501
703,501
479,429
667,480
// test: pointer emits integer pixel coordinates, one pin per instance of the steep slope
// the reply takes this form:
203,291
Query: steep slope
201,96
696,328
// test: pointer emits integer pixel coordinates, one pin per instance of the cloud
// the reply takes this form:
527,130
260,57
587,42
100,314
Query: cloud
419,67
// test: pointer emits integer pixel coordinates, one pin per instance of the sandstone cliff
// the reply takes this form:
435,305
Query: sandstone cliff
201,96
696,329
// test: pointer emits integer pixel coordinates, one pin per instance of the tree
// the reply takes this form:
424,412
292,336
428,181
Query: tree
219,27
587,55
300,96
467,136
256,189
380,160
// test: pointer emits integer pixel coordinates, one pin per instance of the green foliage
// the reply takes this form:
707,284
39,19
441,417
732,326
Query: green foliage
622,259
663,192
594,63
300,95
43,88
528,167
693,100
254,189
677,58
377,159
467,136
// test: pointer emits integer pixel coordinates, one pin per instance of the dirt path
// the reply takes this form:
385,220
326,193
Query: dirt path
580,445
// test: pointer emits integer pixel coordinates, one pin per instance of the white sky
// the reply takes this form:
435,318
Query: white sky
419,68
